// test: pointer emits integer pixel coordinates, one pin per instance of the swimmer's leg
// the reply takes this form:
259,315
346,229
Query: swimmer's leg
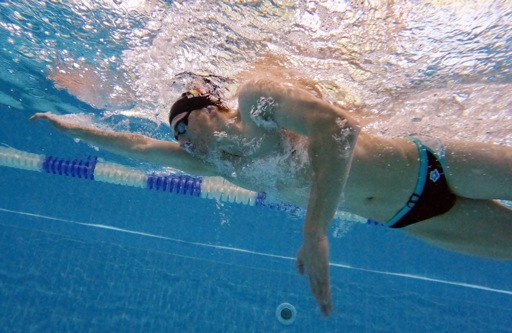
479,170
475,227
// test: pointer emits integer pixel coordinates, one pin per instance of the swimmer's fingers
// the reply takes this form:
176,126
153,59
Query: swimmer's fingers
313,259
39,116
321,289
52,119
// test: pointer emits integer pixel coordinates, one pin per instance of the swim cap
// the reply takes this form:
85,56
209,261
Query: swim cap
188,102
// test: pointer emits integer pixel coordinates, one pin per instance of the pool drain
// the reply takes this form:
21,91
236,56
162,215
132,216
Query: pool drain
286,313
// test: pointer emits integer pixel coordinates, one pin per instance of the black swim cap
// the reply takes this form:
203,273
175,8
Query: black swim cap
190,101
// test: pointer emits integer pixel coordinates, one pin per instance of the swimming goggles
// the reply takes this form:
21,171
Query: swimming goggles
179,124
188,102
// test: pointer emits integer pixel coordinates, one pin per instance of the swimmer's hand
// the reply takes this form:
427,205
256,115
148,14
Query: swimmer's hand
313,260
52,119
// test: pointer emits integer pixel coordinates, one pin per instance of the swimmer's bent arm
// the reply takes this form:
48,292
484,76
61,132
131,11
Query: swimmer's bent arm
332,137
132,145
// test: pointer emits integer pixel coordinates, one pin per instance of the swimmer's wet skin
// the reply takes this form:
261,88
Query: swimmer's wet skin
449,204
188,102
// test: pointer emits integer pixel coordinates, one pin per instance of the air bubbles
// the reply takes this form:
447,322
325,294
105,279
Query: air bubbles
50,43
153,25
25,51
222,134
18,16
460,98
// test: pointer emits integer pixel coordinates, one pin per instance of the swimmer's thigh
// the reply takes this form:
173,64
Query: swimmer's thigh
479,170
473,227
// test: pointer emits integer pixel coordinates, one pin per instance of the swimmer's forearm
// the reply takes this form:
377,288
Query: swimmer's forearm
331,155
128,144
121,143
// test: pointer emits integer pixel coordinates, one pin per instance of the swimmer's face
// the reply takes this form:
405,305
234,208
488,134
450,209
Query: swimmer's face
198,136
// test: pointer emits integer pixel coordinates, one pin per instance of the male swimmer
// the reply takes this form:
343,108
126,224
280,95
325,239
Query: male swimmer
322,161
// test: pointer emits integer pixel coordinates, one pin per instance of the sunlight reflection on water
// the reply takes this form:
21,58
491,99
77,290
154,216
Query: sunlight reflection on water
441,68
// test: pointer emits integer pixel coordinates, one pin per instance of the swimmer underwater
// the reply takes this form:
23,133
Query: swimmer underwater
444,200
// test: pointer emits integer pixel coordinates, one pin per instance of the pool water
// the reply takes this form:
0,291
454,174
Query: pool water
84,256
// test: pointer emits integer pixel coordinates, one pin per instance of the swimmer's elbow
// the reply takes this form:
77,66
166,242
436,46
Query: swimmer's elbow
256,88
256,84
342,119
248,88
330,118
249,91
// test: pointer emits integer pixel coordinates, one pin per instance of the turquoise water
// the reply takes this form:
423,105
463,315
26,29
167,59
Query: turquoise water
85,256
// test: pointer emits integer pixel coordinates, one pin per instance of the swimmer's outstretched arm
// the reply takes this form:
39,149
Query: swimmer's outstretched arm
132,145
332,137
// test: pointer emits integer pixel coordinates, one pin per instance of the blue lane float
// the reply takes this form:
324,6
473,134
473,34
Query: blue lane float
74,168
91,168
